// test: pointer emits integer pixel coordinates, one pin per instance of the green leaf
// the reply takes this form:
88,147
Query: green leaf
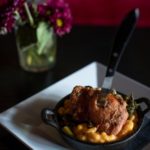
132,105
44,37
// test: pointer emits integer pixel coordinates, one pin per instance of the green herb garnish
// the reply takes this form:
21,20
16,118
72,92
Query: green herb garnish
132,105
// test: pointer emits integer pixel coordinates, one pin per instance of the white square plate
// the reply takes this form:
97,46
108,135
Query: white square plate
24,122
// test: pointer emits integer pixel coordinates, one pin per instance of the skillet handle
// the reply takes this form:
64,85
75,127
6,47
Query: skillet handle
146,101
48,117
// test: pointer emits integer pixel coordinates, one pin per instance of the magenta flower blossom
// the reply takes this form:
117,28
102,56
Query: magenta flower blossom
55,12
19,6
6,19
7,16
61,24
58,13
44,11
9,22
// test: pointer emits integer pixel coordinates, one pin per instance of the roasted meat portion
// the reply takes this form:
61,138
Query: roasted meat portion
106,111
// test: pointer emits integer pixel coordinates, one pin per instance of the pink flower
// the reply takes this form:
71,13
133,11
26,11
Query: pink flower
7,15
9,22
44,11
55,12
58,13
19,5
6,19
61,23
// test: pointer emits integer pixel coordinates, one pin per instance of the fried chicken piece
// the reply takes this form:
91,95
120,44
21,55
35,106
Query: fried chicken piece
106,111
79,99
109,113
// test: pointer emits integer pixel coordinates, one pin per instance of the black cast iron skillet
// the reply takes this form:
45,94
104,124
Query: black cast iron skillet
52,118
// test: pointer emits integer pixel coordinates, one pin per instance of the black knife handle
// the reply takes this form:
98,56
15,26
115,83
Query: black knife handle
122,37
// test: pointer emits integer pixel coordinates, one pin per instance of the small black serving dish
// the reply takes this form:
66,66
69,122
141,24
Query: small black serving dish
51,117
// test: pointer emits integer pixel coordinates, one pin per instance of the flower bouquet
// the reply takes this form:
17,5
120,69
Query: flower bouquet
36,27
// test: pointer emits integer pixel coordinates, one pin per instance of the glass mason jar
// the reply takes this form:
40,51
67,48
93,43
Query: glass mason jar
36,47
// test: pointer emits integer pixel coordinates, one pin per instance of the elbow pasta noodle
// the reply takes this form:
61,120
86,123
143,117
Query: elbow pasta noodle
67,130
82,132
90,134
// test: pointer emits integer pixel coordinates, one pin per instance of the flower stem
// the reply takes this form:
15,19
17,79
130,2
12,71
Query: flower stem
29,14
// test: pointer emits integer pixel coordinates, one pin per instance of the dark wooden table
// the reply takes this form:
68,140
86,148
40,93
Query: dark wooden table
82,46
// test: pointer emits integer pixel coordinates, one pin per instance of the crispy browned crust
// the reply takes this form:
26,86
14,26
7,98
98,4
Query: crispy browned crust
107,112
